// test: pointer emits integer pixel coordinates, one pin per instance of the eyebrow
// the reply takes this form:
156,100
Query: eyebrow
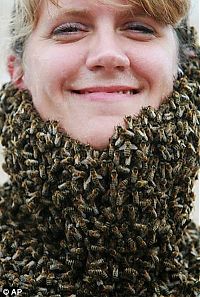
71,12
80,12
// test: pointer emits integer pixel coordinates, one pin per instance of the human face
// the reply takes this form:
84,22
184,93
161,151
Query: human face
88,64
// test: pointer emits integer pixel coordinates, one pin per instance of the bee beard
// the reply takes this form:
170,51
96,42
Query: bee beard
116,220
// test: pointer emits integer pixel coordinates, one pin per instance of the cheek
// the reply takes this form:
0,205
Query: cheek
156,66
51,70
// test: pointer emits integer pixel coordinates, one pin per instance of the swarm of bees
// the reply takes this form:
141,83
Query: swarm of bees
81,222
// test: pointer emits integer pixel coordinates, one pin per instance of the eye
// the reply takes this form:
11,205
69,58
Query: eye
139,28
69,29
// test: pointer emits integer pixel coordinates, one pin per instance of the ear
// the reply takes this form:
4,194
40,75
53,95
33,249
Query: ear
14,66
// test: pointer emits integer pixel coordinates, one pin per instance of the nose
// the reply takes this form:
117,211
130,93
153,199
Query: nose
107,54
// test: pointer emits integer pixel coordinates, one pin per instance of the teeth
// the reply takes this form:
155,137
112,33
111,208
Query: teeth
130,92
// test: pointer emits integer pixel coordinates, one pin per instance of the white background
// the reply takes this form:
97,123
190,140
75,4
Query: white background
5,6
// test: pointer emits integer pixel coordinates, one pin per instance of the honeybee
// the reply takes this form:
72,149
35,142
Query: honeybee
50,279
56,165
42,171
132,245
114,179
168,116
119,213
93,233
141,227
151,112
97,248
117,232
107,288
97,272
31,162
147,276
131,289
131,271
141,183
141,242
122,169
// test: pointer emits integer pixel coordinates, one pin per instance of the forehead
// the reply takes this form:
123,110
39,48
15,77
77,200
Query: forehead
53,8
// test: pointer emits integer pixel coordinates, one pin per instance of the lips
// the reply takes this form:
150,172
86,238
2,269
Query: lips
122,90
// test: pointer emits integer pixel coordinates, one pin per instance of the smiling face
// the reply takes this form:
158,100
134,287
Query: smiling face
88,64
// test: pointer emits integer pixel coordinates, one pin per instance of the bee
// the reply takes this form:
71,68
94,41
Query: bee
107,288
122,169
131,271
70,262
68,288
162,135
152,212
57,198
151,112
127,147
141,227
94,176
165,153
107,213
119,213
129,122
170,266
94,234
132,245
147,276
55,265
50,279
57,140
77,174
136,198
45,189
42,171
141,242
141,183
64,186
140,135
120,197
180,111
33,127
31,162
134,175
100,226
117,232
17,254
76,251
114,179
56,166
168,116
93,195
151,174
97,248
164,290
98,272
191,148
131,289
30,265
41,278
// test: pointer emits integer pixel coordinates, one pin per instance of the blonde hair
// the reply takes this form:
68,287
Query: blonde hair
24,16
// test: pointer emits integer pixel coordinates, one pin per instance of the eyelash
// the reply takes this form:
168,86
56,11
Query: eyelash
74,28
139,28
69,28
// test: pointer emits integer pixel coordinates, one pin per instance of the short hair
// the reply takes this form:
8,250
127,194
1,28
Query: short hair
24,16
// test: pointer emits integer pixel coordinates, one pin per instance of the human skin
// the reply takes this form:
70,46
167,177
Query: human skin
83,58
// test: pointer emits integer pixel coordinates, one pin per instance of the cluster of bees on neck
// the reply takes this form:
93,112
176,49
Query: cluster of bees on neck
101,223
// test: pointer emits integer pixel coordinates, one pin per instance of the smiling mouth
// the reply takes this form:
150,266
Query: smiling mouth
121,92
